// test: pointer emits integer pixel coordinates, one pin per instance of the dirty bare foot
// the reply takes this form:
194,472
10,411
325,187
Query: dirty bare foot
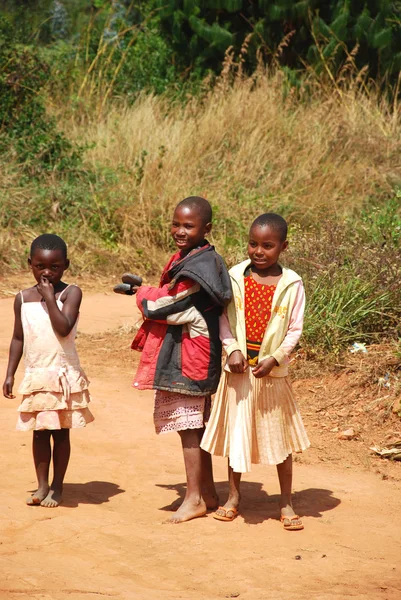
187,511
36,498
52,499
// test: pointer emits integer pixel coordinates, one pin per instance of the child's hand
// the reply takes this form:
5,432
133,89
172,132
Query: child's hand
45,289
264,367
8,387
236,362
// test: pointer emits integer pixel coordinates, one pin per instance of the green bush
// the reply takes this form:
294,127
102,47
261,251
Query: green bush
351,270
26,130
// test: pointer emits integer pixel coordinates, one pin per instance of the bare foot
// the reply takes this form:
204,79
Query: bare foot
36,498
187,511
52,499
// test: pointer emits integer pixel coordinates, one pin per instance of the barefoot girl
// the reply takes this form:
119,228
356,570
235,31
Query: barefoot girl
55,388
254,416
181,349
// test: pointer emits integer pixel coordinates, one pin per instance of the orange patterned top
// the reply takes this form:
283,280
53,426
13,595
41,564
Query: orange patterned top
258,306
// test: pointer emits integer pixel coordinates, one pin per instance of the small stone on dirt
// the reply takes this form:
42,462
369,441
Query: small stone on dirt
348,434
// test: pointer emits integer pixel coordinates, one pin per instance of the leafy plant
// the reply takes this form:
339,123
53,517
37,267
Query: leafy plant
26,130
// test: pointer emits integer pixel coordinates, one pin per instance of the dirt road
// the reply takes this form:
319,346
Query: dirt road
107,540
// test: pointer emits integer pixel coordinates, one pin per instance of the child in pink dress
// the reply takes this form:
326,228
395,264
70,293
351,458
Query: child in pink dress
254,417
54,390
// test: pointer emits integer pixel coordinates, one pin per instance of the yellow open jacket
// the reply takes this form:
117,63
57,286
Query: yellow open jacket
286,302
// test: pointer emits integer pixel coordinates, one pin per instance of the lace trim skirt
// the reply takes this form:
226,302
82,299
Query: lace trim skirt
75,414
254,421
176,412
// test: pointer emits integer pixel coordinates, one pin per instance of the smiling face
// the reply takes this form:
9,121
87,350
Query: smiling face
188,229
48,263
264,247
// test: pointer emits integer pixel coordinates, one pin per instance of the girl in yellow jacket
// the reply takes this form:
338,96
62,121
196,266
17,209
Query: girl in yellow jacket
254,417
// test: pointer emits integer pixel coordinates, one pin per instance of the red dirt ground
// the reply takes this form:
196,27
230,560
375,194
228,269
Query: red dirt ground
107,540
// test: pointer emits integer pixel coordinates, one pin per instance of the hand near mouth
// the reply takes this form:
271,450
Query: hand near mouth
45,288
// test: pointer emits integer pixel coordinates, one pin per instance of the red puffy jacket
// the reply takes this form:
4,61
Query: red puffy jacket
179,339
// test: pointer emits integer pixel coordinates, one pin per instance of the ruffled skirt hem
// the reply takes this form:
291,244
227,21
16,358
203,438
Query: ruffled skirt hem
53,410
44,401
54,419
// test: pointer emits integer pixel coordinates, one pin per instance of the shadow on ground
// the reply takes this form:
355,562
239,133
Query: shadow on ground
258,506
91,492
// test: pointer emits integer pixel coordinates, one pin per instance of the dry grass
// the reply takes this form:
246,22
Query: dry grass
247,148
248,145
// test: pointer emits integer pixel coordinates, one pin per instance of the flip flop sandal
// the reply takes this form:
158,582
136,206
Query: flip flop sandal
131,279
289,524
234,513
123,288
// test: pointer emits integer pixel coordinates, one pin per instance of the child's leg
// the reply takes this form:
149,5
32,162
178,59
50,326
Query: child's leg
193,505
230,509
208,489
41,456
61,456
284,471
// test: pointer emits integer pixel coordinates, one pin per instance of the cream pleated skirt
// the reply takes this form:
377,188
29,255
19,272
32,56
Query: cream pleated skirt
254,421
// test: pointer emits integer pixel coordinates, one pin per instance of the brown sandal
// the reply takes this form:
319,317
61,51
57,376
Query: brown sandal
234,513
289,524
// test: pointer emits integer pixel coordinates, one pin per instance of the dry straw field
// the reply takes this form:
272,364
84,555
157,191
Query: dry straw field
325,154
249,144
248,148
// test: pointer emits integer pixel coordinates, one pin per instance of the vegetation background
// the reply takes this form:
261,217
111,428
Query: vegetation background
112,111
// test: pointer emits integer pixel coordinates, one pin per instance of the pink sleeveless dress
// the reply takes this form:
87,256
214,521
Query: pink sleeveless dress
54,388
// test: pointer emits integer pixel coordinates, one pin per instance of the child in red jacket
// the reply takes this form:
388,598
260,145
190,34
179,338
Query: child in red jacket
181,349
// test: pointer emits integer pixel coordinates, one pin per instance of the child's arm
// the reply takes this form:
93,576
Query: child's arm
168,304
16,347
62,320
292,336
236,361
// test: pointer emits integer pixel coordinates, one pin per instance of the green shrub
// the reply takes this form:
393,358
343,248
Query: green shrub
26,130
351,270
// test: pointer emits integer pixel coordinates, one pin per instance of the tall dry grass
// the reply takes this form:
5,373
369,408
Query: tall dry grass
247,144
247,147
327,156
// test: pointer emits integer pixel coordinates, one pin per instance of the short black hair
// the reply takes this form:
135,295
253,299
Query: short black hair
201,205
275,222
49,241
